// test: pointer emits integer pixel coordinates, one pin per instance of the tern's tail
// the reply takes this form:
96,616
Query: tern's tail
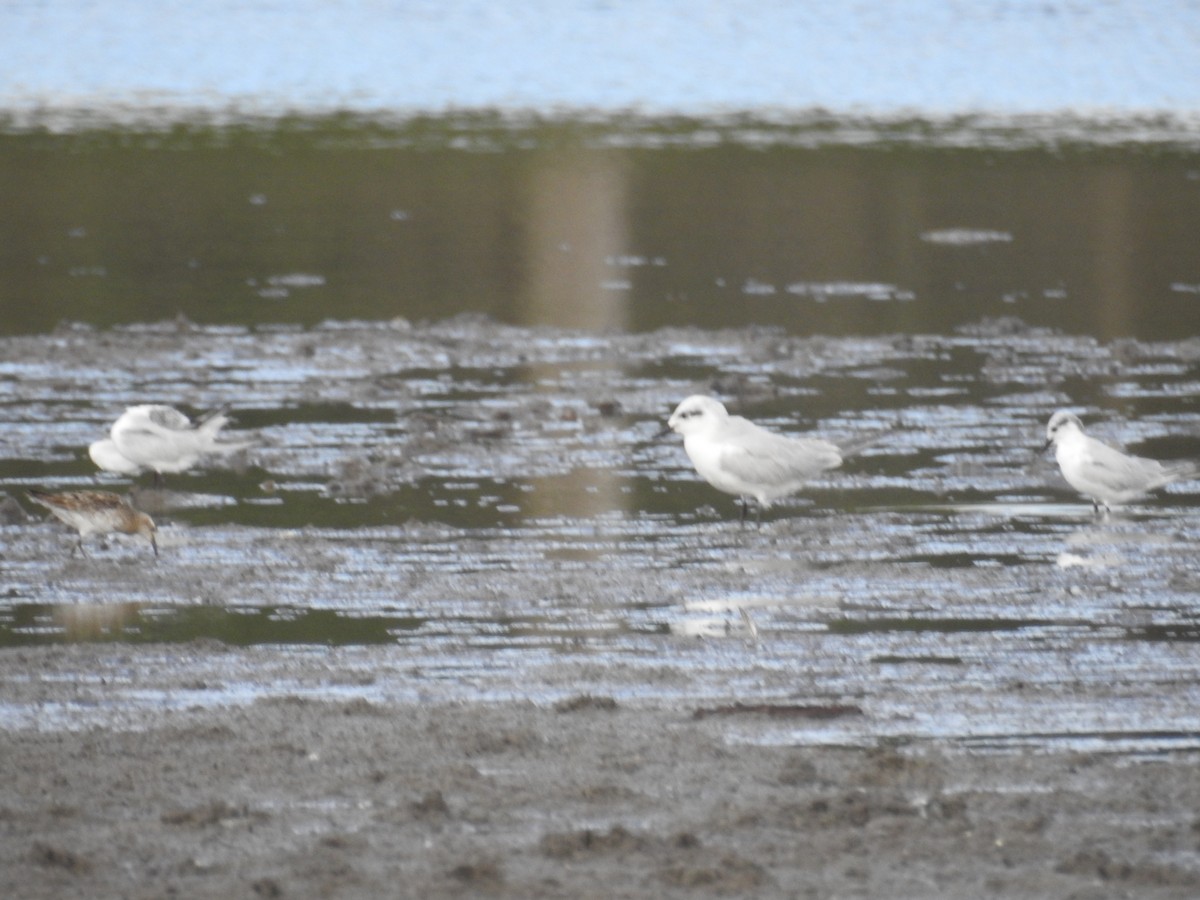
1181,471
858,446
230,446
210,427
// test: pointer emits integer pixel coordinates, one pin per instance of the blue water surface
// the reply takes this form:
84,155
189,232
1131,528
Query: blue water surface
883,58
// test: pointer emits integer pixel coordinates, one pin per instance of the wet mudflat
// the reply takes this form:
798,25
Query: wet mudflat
461,622
305,798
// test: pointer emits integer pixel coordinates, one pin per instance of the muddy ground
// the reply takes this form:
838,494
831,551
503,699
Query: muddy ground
459,626
289,797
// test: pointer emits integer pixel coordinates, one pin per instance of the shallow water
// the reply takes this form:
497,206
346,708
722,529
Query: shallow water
466,509
456,342
818,228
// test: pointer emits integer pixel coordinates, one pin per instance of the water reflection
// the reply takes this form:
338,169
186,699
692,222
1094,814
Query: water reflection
577,221
1114,541
92,621
576,224
446,489
137,622
556,225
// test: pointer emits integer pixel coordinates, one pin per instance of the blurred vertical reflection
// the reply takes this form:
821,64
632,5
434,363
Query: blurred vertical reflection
576,224
576,227
323,220
96,621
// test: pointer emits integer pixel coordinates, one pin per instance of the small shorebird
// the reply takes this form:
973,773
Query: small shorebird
1102,473
738,457
96,512
162,439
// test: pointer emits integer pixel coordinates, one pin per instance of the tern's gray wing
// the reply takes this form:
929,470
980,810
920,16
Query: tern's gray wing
757,456
168,417
148,447
1118,473
157,441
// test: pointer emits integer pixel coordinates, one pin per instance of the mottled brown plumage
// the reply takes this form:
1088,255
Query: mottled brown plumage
96,512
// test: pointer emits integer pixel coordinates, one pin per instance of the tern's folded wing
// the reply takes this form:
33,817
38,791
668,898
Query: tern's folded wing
168,417
148,446
1118,473
776,460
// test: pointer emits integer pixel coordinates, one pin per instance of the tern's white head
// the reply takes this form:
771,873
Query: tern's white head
1062,425
697,414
